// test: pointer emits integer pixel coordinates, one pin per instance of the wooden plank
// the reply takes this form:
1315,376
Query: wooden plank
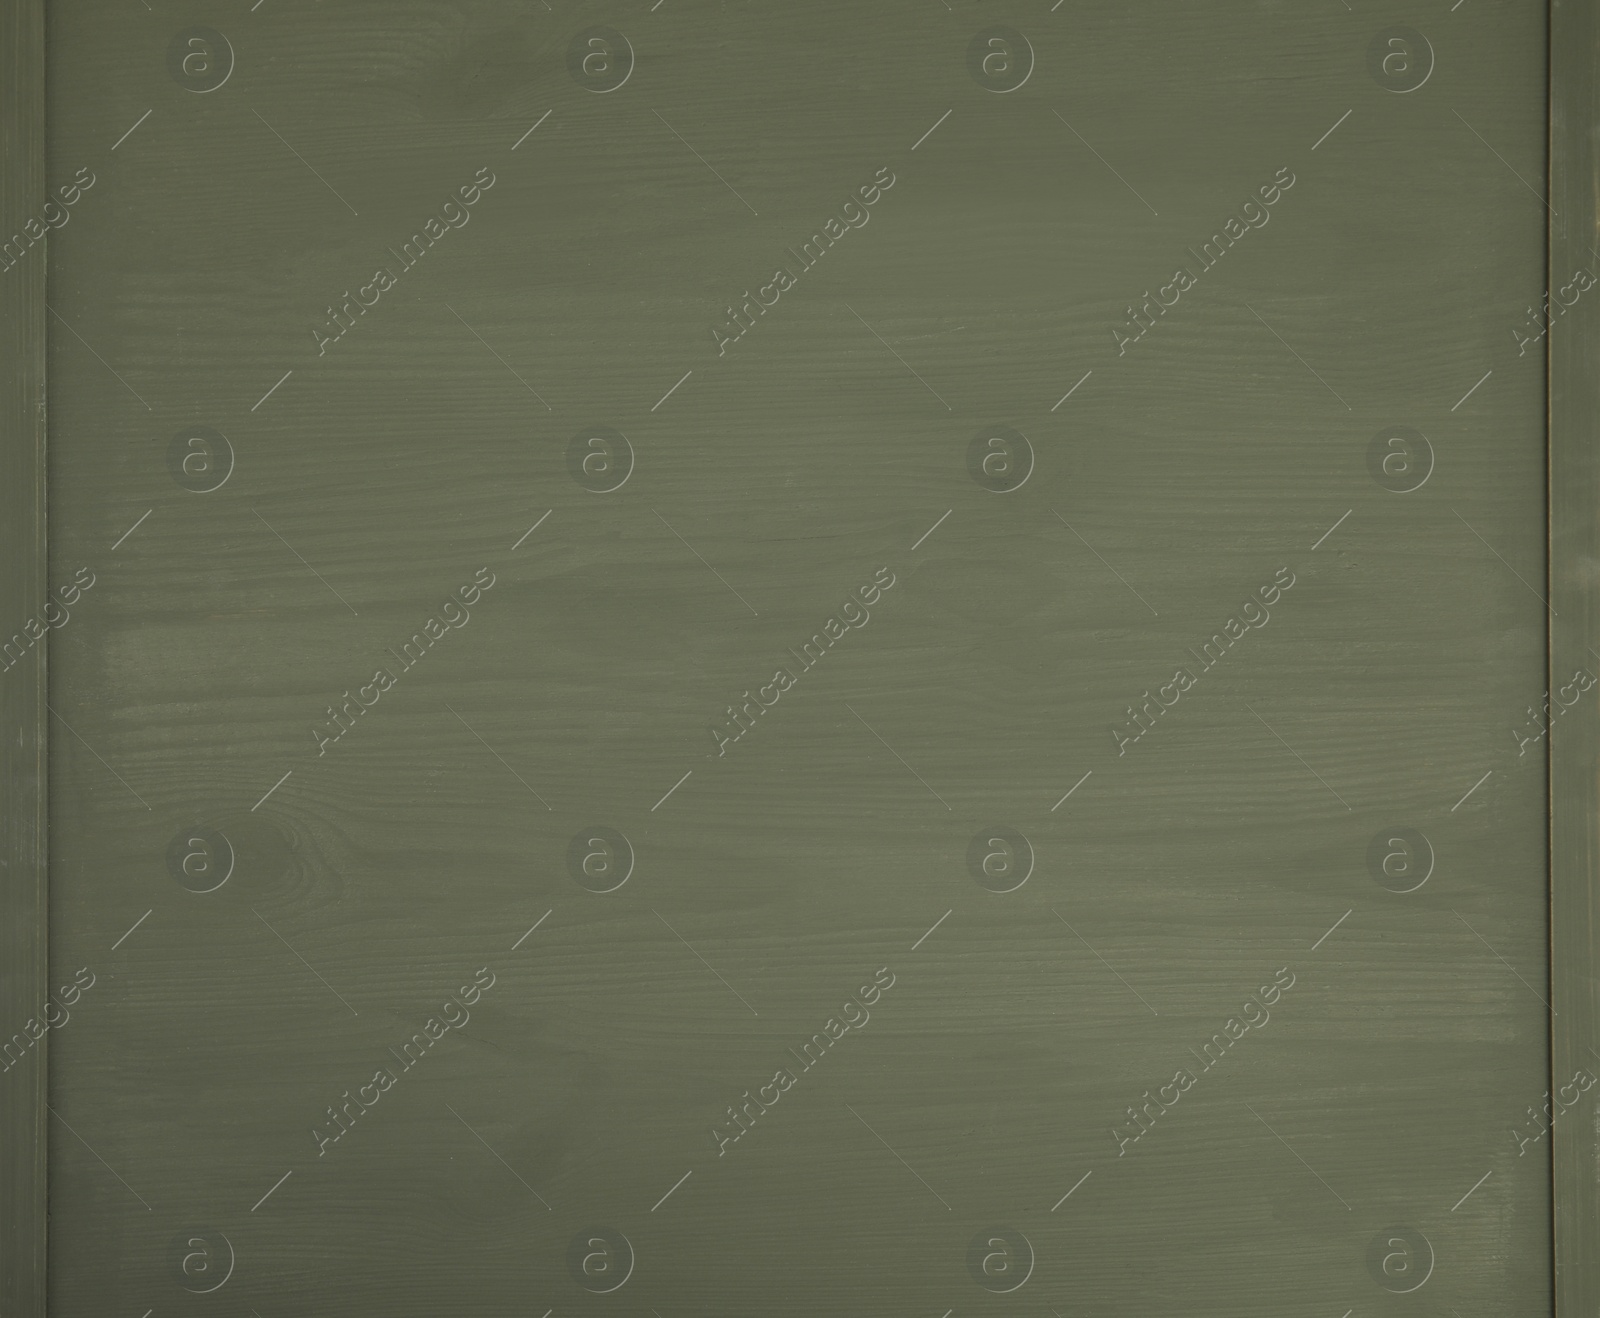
1022,637
1574,743
23,593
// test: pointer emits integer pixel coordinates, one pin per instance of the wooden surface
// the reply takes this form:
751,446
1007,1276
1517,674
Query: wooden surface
1209,879
23,585
1575,742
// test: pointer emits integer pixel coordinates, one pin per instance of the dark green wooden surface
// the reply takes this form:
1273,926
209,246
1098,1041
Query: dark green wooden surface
1575,744
23,586
1184,475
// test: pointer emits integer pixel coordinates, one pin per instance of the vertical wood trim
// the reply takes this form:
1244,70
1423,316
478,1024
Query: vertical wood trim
1574,394
23,779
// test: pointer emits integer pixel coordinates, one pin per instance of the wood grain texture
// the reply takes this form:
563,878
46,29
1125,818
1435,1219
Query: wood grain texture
1575,743
23,928
1223,457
